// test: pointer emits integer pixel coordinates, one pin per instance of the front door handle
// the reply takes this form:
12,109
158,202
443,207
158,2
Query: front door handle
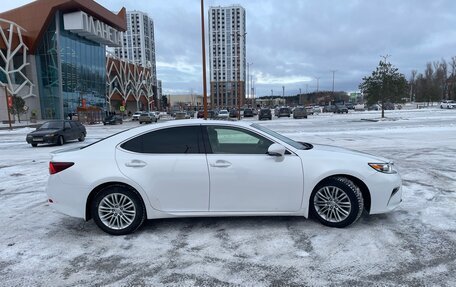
136,163
221,163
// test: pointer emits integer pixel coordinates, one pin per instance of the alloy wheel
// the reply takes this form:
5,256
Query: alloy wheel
332,204
117,211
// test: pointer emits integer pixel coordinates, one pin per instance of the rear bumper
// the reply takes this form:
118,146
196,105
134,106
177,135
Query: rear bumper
67,199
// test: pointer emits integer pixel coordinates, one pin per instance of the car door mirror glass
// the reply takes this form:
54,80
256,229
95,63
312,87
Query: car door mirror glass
276,150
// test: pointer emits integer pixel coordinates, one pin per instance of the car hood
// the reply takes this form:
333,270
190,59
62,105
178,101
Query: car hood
43,132
335,149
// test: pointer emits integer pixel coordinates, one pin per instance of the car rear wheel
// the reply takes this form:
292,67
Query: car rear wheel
34,144
118,210
81,137
60,140
336,202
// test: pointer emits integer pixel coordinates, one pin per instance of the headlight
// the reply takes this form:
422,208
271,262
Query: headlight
49,135
383,167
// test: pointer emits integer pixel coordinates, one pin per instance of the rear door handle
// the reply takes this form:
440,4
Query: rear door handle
136,163
221,163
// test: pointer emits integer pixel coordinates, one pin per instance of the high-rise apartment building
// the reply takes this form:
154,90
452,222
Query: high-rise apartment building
227,55
138,41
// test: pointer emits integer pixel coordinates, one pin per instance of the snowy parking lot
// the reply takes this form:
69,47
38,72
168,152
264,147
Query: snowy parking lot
415,245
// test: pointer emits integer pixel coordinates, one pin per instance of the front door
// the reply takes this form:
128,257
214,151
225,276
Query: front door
244,178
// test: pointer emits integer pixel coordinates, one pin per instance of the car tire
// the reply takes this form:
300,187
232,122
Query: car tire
81,137
34,144
60,140
140,122
336,202
118,210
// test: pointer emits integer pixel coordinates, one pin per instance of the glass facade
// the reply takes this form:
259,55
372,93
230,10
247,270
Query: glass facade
82,68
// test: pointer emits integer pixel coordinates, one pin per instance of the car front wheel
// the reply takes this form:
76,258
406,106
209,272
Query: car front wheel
118,210
336,202
81,137
60,140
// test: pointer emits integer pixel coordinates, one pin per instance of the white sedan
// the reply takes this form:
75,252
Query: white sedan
449,104
216,168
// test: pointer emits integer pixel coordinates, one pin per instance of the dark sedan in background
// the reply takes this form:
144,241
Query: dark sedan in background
113,120
57,132
265,114
300,113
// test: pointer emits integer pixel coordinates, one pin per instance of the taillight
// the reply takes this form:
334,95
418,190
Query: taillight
55,167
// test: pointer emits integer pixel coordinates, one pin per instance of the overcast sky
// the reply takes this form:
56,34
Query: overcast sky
293,42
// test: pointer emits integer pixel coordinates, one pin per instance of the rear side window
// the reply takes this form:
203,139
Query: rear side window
167,141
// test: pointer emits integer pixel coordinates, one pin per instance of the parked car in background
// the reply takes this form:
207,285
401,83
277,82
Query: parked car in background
350,106
359,107
340,109
248,113
234,113
374,107
57,132
388,106
329,109
136,115
300,113
265,114
147,117
284,112
157,114
224,114
310,110
181,115
448,104
135,169
113,120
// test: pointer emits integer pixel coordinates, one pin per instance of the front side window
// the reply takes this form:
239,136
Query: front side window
231,140
181,140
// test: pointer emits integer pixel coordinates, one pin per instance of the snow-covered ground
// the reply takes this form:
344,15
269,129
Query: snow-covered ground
414,245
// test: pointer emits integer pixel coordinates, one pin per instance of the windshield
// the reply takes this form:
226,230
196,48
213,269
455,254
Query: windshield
51,125
280,137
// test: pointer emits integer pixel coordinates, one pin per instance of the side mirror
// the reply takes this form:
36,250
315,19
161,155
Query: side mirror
276,150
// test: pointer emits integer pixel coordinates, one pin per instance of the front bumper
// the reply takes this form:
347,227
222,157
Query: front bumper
386,192
42,139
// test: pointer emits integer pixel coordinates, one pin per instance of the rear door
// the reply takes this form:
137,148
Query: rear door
170,166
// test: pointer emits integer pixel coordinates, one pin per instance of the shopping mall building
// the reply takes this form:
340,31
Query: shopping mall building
53,55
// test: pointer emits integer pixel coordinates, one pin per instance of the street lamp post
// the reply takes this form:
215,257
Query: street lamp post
203,51
318,82
237,58
248,81
333,72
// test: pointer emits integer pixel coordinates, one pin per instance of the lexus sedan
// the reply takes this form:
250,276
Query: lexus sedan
57,132
218,168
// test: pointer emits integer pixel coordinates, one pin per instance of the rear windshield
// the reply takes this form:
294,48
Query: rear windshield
51,125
